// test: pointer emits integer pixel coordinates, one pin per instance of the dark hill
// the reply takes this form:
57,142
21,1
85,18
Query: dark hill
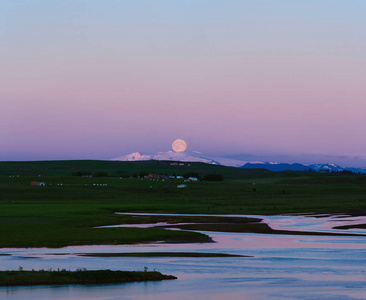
124,168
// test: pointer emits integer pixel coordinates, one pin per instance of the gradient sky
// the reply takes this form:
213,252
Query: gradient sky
100,79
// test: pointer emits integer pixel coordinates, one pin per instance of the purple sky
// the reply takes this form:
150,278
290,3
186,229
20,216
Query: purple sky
277,80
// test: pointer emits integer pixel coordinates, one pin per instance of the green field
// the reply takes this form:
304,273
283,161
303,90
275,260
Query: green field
57,215
50,277
122,168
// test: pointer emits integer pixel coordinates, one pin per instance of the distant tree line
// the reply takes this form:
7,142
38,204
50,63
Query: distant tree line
142,174
347,172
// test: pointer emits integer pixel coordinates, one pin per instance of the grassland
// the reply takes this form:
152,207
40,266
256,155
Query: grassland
58,215
122,168
49,277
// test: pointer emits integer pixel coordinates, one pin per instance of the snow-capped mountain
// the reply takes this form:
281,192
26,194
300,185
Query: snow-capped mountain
199,157
299,167
170,155
329,167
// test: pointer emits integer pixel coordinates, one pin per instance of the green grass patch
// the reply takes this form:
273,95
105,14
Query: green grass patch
43,277
58,215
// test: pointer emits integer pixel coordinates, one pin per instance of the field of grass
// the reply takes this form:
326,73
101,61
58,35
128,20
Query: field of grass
43,277
123,168
57,215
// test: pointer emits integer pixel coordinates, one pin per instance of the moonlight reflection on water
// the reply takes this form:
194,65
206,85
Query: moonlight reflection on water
282,266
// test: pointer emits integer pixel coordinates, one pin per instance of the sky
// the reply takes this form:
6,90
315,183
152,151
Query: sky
93,79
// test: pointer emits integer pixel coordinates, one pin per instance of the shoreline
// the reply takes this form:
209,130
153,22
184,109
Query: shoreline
236,224
215,223
81,276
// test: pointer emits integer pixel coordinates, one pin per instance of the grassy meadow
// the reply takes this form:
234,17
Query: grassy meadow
53,277
58,215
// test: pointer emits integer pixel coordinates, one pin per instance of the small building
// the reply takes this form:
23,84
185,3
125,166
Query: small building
182,186
192,179
179,177
38,183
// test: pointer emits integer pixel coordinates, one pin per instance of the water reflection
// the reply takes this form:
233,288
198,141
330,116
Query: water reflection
292,222
283,267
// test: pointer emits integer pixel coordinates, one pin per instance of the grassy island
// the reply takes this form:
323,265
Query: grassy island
49,277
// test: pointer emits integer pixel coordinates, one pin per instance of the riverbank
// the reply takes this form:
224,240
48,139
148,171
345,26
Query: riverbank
49,277
281,266
238,224
68,210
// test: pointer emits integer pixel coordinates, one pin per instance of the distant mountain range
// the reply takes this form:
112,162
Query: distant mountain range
300,167
199,157
171,155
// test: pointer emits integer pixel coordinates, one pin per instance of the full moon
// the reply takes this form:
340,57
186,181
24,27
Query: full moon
179,145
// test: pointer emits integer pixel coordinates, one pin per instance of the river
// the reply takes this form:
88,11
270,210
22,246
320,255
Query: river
281,267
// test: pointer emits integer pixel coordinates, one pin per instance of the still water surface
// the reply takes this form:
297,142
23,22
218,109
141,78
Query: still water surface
282,266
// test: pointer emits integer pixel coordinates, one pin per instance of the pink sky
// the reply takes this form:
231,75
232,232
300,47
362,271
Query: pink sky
90,79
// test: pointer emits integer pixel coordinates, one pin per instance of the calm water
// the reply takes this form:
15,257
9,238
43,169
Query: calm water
282,266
